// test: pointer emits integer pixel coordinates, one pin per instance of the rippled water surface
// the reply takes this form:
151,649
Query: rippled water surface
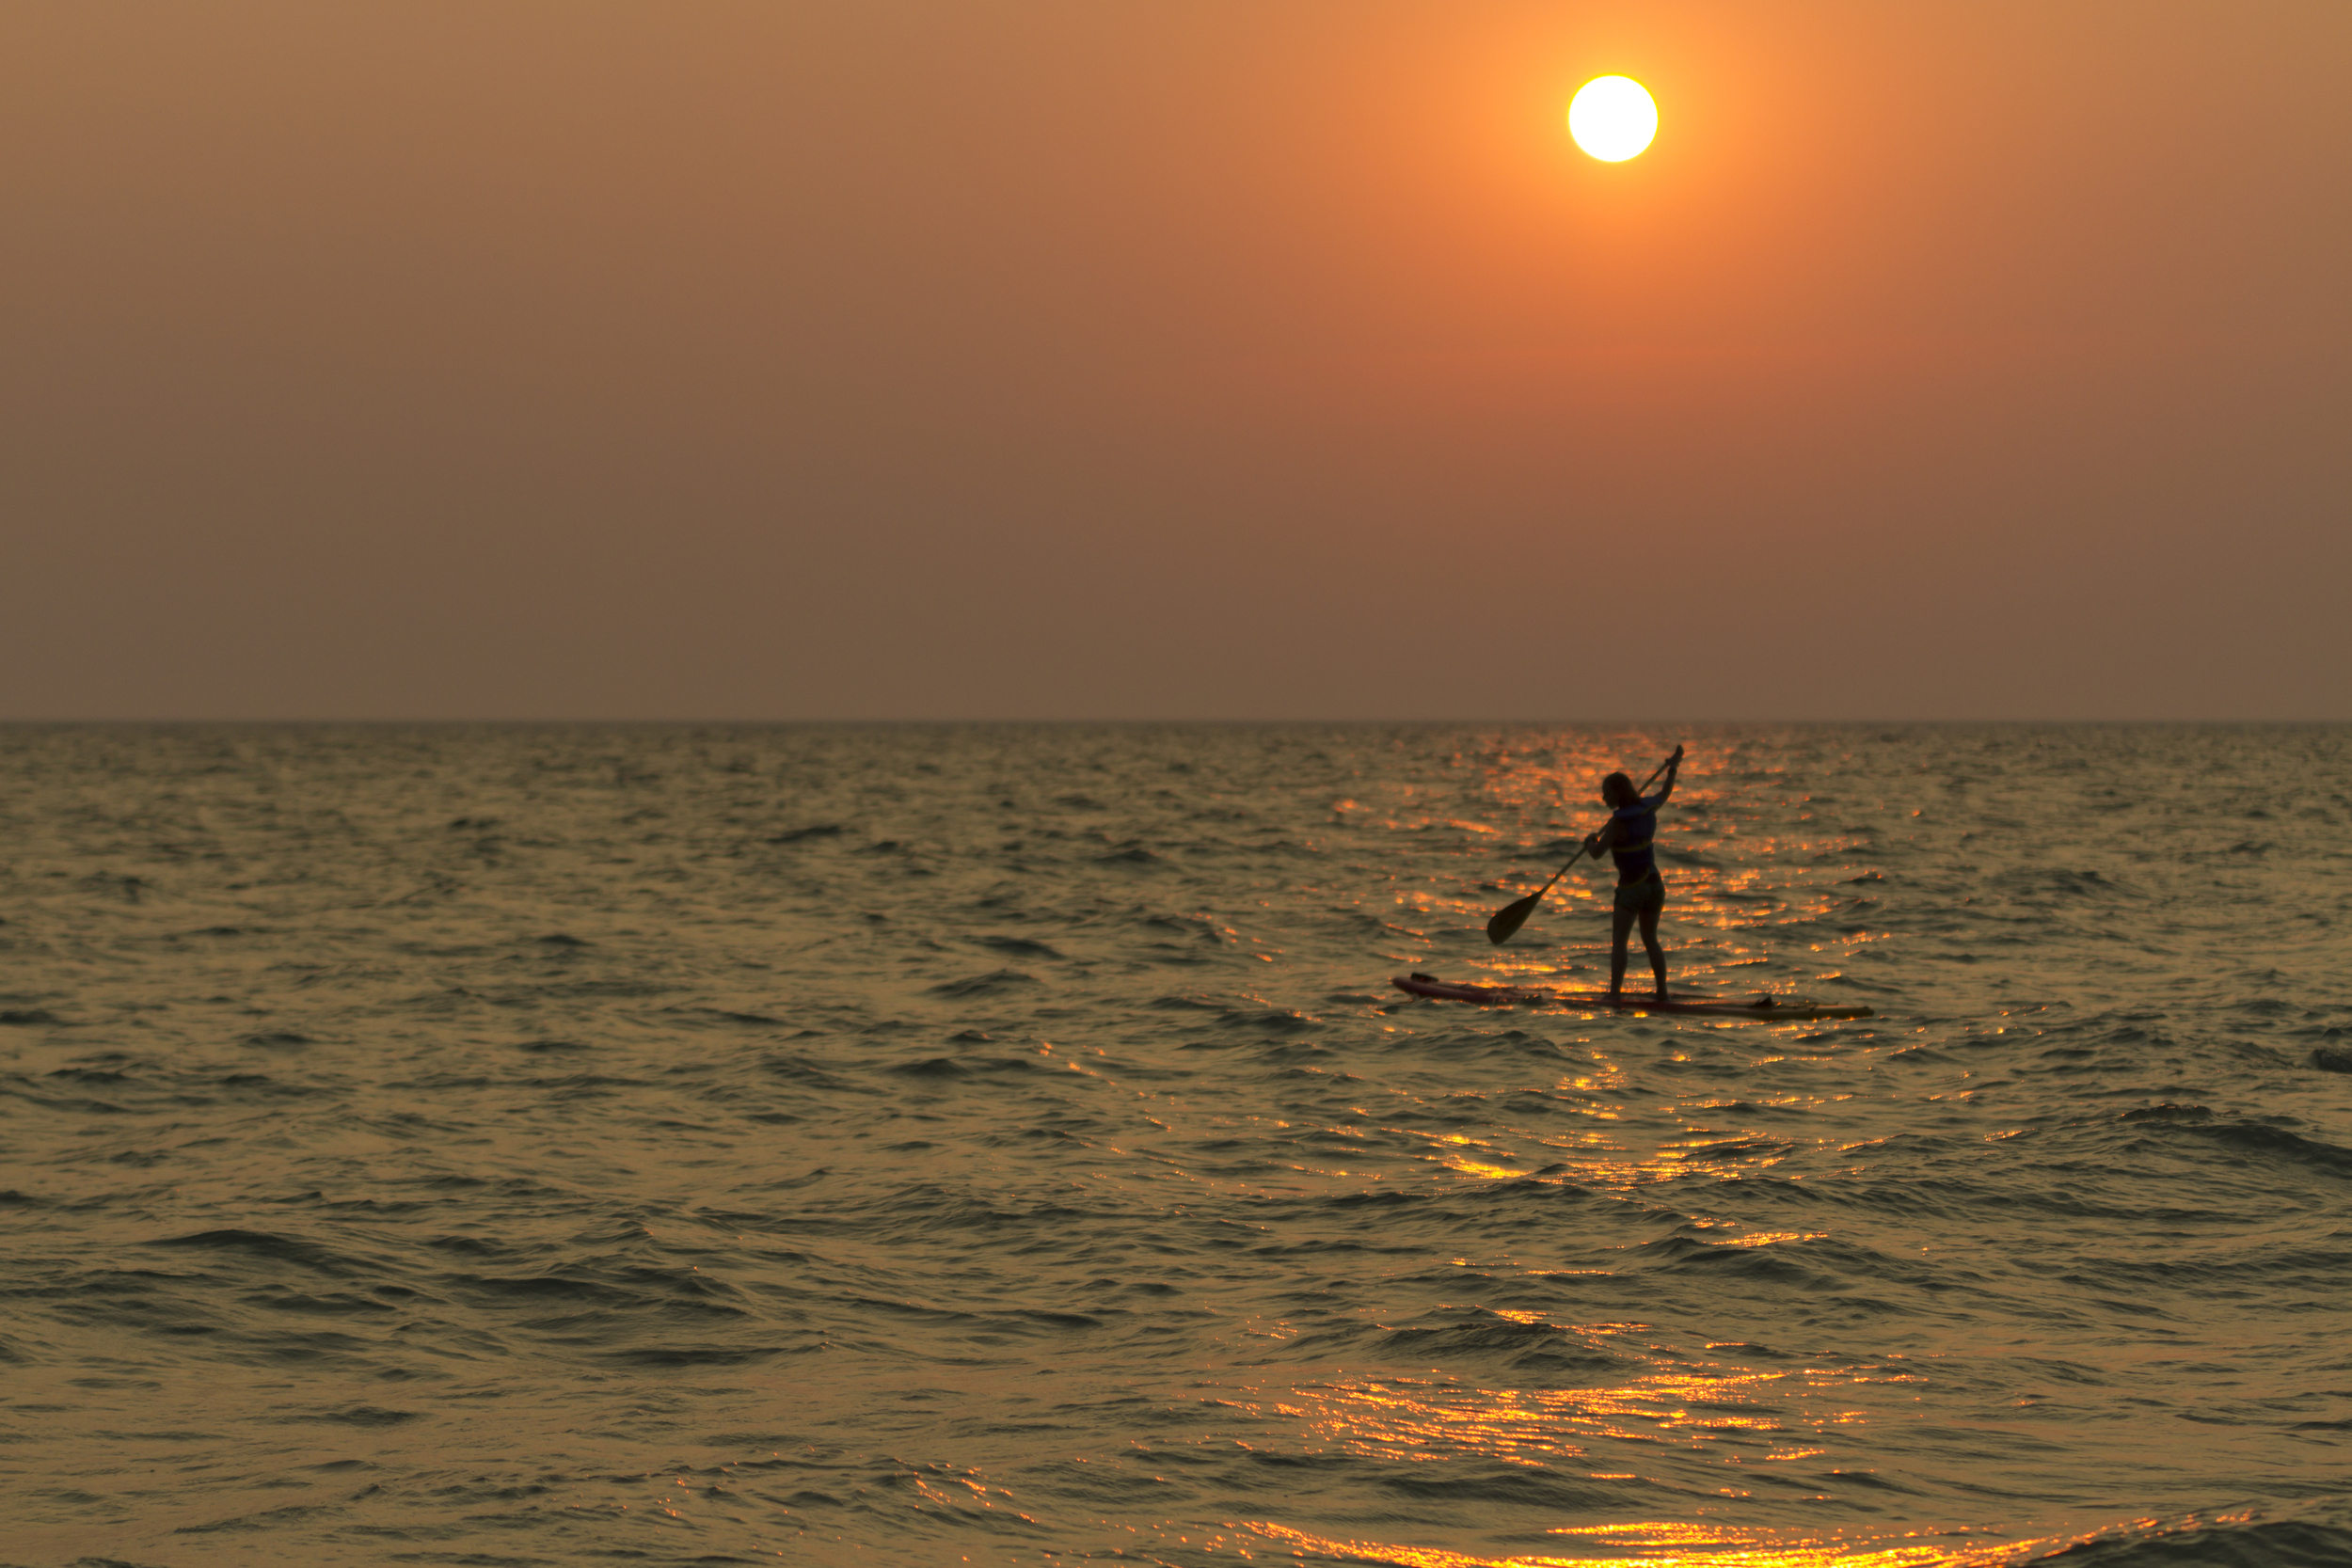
929,1145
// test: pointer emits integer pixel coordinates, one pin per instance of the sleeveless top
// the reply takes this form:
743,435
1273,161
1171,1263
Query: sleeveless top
1637,830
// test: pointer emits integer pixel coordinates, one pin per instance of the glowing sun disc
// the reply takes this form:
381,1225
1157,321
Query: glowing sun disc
1613,118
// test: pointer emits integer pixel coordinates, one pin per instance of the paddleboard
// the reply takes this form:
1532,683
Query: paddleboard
1757,1006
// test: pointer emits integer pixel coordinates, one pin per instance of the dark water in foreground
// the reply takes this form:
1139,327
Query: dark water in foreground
709,1144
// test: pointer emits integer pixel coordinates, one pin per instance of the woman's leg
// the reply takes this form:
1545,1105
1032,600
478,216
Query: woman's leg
1649,940
1621,927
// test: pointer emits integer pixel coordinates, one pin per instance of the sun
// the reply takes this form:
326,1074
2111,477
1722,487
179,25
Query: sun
1613,118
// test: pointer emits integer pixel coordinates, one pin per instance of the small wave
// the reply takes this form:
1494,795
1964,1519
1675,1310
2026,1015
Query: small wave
1019,947
723,1015
2254,1138
1495,1485
363,1416
994,983
2028,881
1187,1005
962,1066
1267,1021
687,1356
264,1245
1682,1254
2271,1543
802,836
572,1082
261,1085
1479,1335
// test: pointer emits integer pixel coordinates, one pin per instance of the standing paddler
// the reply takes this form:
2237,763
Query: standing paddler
1631,835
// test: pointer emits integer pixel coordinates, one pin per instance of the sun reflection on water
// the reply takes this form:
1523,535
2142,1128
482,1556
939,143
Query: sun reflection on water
1667,1544
1592,1151
1759,900
1413,1419
1742,1419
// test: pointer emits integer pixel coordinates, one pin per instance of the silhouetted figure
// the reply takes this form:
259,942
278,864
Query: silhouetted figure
1631,835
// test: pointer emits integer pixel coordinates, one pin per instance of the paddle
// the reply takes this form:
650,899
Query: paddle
1507,920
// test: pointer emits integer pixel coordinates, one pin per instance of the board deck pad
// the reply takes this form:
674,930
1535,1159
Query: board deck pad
1757,1005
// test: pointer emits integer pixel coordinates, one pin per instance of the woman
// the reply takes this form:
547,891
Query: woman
1631,835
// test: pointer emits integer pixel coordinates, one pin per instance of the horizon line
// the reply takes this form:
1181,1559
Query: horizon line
937,721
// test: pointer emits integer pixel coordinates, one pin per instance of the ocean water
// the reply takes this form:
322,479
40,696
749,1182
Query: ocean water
933,1144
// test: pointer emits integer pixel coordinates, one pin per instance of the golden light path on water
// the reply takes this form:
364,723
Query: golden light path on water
1401,1419
1777,1418
1671,1546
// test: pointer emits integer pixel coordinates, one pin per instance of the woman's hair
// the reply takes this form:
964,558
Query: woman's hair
1617,790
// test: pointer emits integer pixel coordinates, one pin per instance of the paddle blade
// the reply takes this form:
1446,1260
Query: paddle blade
1509,918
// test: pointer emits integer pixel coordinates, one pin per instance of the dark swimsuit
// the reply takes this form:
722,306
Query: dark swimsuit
1638,885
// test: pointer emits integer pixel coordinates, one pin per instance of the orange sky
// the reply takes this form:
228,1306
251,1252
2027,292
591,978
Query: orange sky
1174,358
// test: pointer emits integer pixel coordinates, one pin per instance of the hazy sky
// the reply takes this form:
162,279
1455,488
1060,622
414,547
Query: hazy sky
838,358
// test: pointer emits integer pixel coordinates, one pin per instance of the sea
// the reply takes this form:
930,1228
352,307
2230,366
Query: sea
1003,1143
